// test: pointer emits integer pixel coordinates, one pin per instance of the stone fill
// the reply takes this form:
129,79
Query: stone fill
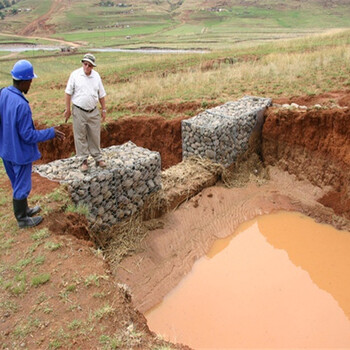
113,193
223,133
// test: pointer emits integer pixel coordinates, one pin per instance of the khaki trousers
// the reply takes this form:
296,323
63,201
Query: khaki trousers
87,131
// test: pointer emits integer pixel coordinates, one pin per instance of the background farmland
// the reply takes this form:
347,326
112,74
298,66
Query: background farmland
183,23
272,48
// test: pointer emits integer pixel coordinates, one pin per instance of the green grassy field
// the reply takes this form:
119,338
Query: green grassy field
213,29
275,49
308,65
191,23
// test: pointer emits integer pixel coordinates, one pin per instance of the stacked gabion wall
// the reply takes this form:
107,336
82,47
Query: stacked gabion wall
223,133
113,193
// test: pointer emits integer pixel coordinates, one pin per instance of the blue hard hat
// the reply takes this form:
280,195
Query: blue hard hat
23,70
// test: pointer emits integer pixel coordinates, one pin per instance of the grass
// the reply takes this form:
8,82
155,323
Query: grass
12,39
39,260
104,311
40,279
314,64
75,324
186,24
52,246
80,209
107,38
41,234
94,280
312,17
21,264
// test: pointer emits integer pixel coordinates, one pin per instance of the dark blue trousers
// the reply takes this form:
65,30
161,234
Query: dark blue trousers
20,177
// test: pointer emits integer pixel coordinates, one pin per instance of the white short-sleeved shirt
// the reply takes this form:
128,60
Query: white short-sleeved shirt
85,90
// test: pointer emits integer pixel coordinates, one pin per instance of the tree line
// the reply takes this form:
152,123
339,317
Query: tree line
7,4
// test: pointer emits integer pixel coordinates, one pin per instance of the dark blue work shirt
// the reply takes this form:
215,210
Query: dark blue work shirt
18,136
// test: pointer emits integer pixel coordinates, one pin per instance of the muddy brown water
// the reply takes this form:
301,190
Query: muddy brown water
280,281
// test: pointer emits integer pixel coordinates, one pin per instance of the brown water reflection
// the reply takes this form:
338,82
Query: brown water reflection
281,281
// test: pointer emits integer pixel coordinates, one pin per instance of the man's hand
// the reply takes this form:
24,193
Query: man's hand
67,114
59,134
103,116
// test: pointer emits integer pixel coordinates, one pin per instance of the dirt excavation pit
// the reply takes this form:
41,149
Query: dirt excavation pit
302,166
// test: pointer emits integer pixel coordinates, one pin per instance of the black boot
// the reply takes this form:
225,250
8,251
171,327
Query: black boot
20,209
33,211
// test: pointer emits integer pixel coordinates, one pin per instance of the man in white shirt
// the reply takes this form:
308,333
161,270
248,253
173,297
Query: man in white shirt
83,91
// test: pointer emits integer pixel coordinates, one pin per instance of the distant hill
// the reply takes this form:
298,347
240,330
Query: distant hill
168,19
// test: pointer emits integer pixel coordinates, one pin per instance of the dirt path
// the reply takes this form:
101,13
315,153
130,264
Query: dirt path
40,24
13,54
58,41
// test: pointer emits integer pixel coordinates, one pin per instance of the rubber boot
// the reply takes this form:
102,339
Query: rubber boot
20,209
33,211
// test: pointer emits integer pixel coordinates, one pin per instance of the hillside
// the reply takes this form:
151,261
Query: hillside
160,22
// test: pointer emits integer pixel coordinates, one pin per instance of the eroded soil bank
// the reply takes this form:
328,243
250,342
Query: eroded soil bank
315,146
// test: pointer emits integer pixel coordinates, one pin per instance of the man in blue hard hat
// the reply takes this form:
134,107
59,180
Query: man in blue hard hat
19,141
